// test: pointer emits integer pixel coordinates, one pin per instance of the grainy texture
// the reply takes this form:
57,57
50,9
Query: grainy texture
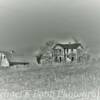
73,79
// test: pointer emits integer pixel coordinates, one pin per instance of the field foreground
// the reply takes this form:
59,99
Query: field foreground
78,82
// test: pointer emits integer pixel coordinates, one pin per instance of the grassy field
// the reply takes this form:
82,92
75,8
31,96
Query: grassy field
78,82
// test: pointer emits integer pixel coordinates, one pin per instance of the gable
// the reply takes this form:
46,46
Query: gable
58,47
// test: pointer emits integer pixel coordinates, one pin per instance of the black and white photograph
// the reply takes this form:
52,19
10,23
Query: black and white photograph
49,49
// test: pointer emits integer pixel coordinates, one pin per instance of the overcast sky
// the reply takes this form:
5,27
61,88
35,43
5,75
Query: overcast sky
25,24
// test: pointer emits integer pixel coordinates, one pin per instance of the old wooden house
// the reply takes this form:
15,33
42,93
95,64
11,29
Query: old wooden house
62,53
66,52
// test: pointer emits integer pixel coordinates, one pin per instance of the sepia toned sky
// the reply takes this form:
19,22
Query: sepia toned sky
25,24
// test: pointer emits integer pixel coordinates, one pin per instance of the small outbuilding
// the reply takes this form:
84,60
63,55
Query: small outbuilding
5,58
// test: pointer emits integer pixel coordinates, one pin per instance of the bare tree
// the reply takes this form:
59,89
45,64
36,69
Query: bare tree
43,50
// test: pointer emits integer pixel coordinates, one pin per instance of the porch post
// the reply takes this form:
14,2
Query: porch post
64,55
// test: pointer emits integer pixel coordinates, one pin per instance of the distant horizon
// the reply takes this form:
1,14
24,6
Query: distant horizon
29,51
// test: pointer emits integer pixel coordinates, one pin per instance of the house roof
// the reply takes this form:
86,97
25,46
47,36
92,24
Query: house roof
69,46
